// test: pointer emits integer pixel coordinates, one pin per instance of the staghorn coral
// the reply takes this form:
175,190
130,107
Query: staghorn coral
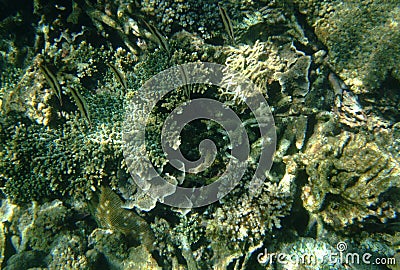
240,222
28,103
75,65
31,149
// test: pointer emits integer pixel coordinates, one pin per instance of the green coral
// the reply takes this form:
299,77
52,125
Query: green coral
38,132
85,159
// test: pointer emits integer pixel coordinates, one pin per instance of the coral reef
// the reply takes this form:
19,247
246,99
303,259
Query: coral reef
118,255
364,51
352,181
328,69
81,168
40,225
242,223
69,253
36,231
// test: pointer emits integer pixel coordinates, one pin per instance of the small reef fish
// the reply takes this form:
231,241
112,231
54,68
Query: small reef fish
120,77
227,22
51,80
81,103
187,89
338,86
346,102
161,40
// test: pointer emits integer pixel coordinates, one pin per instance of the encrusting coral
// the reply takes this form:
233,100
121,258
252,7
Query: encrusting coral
363,51
352,180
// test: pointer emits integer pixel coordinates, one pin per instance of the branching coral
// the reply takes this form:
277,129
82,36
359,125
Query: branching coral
85,160
242,223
